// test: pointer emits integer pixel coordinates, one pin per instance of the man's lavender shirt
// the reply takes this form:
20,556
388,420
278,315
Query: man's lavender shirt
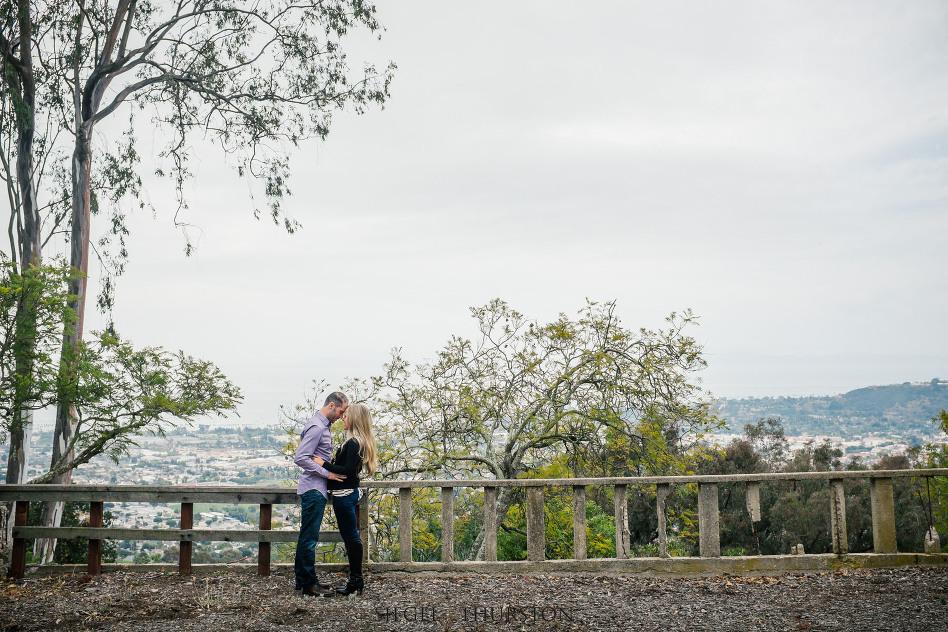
316,439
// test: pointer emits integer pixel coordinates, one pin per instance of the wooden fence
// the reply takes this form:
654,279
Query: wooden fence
881,493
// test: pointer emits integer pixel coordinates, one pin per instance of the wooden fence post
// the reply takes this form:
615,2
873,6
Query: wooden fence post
185,548
94,563
18,558
263,550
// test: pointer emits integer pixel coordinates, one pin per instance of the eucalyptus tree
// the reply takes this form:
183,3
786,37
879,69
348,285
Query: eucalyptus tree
17,131
28,149
256,78
521,393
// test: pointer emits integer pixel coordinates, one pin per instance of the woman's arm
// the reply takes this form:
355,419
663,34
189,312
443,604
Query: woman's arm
349,461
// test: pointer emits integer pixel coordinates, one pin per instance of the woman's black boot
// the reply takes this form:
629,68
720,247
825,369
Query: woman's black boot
355,583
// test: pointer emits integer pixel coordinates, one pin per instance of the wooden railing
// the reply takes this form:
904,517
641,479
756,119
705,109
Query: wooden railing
881,493
98,495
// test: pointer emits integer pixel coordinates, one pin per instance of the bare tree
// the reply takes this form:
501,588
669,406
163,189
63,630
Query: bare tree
255,77
521,393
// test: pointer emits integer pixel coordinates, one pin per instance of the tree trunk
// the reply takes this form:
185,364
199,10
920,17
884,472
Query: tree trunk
79,260
30,257
29,241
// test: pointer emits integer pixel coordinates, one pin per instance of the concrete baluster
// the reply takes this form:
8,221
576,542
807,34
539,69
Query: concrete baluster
579,522
447,524
622,522
404,524
490,524
364,523
661,495
709,528
753,500
883,515
536,525
838,516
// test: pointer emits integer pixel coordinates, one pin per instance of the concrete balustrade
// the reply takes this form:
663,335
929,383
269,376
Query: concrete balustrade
710,560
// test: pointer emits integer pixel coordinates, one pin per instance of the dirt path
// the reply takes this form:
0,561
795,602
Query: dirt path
898,600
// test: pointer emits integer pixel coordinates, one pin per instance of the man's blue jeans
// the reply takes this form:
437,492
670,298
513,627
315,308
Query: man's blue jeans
314,505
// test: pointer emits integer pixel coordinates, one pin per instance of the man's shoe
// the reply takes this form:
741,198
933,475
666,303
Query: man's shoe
317,590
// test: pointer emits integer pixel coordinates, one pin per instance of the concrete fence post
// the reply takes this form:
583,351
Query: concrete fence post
364,523
447,524
753,500
838,516
490,524
883,515
579,522
709,528
536,525
622,522
662,491
404,524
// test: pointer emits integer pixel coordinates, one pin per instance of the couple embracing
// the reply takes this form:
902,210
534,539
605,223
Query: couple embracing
337,478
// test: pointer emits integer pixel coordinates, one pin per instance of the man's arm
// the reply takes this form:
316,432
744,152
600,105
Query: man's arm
307,448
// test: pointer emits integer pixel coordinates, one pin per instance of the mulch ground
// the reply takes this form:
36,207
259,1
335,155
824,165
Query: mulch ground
898,600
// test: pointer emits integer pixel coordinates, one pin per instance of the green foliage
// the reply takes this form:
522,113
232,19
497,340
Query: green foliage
33,312
120,392
933,491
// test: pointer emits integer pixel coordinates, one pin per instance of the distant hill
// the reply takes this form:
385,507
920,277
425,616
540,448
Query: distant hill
896,410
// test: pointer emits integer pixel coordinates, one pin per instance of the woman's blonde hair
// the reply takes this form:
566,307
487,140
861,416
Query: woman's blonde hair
360,429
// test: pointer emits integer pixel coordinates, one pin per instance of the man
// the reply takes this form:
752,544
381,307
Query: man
315,440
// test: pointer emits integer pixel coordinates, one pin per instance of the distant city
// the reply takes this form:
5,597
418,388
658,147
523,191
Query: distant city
867,424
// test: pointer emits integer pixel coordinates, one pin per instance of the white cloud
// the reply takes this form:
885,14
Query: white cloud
779,167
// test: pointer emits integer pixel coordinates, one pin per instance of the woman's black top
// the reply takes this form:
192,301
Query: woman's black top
347,462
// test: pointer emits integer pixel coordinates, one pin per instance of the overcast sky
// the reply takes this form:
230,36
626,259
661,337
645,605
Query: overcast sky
781,168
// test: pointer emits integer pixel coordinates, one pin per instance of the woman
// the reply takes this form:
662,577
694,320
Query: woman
357,454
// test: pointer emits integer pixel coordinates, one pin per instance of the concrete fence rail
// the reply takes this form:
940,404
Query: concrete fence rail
881,494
